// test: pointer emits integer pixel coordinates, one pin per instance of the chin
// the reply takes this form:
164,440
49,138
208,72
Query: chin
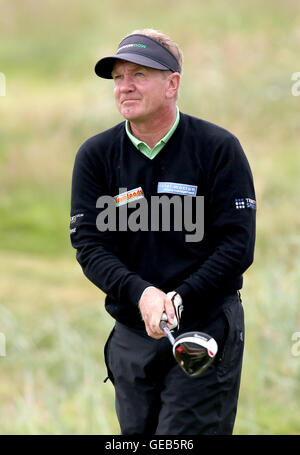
129,115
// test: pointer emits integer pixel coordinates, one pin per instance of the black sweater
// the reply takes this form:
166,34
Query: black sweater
123,264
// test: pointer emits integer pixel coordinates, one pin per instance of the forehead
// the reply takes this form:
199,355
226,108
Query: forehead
122,65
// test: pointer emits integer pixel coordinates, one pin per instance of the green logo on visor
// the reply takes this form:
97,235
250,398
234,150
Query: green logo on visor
131,45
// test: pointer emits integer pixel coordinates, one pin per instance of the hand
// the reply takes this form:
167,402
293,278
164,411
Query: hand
152,304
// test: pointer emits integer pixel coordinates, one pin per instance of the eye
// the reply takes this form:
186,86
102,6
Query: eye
117,77
139,74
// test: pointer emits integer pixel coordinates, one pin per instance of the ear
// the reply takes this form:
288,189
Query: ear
173,85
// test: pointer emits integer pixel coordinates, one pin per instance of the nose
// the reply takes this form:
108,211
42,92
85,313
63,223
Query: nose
126,84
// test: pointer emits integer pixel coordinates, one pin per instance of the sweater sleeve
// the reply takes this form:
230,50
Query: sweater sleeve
97,251
229,224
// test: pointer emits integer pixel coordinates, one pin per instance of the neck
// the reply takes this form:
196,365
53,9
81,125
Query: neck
153,130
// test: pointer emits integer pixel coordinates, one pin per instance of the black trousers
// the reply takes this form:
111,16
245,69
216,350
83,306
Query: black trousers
153,396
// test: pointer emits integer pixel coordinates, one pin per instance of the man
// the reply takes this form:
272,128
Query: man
136,192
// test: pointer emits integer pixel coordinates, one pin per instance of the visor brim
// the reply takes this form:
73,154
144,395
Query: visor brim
105,66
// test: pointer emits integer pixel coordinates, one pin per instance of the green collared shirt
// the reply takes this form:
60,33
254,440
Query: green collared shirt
143,147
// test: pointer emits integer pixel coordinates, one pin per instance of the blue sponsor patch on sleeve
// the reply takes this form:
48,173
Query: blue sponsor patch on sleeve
177,188
245,203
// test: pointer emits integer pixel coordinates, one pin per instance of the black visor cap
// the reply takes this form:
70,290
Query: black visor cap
142,50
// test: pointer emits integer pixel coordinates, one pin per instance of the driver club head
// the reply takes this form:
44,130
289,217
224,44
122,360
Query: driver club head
194,352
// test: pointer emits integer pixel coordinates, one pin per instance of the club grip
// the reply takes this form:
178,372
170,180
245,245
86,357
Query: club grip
164,326
163,323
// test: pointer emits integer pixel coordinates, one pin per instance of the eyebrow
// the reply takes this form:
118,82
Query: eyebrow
134,68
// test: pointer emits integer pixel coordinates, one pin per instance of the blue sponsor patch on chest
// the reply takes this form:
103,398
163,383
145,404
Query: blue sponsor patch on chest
177,188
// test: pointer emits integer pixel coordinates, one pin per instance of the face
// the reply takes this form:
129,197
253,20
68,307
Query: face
141,93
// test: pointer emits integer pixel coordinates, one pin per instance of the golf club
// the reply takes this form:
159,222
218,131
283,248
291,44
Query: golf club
194,351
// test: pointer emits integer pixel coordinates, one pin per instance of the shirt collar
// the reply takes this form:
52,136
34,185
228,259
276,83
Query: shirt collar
140,144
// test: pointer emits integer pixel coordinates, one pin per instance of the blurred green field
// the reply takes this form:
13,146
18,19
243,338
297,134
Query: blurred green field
239,59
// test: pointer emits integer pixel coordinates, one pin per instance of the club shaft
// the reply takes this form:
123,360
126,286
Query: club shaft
166,329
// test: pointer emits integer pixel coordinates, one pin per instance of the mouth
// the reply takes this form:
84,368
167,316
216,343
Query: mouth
129,101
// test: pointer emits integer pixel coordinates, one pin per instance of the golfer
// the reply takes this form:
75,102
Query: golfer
163,214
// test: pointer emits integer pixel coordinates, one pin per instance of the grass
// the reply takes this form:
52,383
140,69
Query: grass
239,59
52,375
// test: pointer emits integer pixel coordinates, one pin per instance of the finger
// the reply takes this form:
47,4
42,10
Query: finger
156,329
154,325
153,333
